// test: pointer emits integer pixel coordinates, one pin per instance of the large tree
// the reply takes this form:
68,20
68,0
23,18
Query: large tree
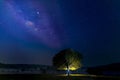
67,59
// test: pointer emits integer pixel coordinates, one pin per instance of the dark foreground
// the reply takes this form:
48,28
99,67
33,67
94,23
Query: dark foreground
51,77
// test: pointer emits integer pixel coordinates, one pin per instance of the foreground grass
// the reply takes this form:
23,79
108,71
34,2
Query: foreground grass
51,77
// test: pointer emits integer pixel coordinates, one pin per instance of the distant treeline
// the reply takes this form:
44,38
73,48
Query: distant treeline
23,66
110,69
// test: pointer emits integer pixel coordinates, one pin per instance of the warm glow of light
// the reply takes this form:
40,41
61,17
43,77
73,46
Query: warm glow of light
70,68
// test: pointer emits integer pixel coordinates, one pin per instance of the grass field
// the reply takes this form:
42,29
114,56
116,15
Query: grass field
53,77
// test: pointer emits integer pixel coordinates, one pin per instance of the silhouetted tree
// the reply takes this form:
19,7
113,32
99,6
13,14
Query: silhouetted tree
67,59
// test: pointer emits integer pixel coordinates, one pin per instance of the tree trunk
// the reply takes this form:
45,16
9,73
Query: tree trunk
68,71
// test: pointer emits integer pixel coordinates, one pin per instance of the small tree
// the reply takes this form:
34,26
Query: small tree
67,59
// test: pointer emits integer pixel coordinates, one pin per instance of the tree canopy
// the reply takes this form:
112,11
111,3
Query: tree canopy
67,59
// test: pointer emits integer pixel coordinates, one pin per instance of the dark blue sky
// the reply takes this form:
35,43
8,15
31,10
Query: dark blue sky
33,31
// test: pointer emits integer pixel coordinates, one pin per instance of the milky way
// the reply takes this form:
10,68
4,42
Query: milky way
35,19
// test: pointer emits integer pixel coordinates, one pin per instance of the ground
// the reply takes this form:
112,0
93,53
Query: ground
53,77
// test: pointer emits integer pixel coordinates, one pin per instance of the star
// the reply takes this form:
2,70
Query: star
36,29
19,11
38,12
29,23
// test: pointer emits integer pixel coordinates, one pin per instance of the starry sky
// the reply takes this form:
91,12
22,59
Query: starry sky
33,31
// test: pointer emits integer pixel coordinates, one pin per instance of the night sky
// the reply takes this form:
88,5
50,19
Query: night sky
33,31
